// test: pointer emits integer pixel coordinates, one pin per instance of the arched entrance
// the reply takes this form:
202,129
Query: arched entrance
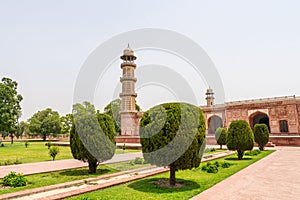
259,118
214,122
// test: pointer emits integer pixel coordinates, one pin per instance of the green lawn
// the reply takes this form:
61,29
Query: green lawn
45,179
121,151
36,152
195,182
217,151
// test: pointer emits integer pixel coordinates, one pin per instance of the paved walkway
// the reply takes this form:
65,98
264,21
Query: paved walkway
274,177
57,165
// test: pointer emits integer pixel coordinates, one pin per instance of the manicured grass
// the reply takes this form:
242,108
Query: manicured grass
121,151
217,151
195,181
45,179
36,152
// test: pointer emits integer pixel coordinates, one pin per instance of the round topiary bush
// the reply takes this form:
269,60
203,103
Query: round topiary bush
261,135
173,134
221,136
92,136
240,137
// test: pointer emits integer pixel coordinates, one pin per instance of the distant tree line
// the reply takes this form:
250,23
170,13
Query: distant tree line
43,123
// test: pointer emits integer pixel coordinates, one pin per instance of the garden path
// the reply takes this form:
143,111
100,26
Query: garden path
57,165
276,176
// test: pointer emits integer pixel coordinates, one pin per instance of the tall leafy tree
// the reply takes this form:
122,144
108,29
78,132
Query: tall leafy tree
4,134
66,123
92,136
45,123
21,127
173,134
113,110
10,108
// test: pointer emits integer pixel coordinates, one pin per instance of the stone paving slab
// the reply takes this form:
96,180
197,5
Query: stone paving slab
276,176
57,165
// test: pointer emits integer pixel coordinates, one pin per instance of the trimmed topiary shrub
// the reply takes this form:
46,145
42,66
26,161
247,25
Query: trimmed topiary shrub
221,136
92,136
261,135
173,134
240,137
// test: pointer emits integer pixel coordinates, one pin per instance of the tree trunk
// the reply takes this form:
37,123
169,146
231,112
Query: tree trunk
261,148
11,138
220,146
44,136
240,154
93,166
172,176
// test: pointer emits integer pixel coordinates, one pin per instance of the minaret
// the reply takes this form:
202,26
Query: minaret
129,125
210,97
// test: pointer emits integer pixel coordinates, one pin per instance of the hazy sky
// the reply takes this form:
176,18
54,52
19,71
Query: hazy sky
255,45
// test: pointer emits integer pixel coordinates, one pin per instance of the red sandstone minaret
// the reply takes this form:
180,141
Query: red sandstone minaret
209,97
129,121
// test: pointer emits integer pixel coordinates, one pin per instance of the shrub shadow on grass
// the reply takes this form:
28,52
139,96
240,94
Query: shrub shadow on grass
150,186
81,172
233,158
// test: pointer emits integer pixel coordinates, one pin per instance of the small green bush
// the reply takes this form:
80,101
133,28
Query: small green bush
212,150
252,153
139,161
2,145
212,169
26,144
14,180
131,162
225,165
204,168
124,147
53,151
48,144
217,164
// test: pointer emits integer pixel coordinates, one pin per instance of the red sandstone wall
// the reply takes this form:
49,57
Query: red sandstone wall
276,110
130,124
285,141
